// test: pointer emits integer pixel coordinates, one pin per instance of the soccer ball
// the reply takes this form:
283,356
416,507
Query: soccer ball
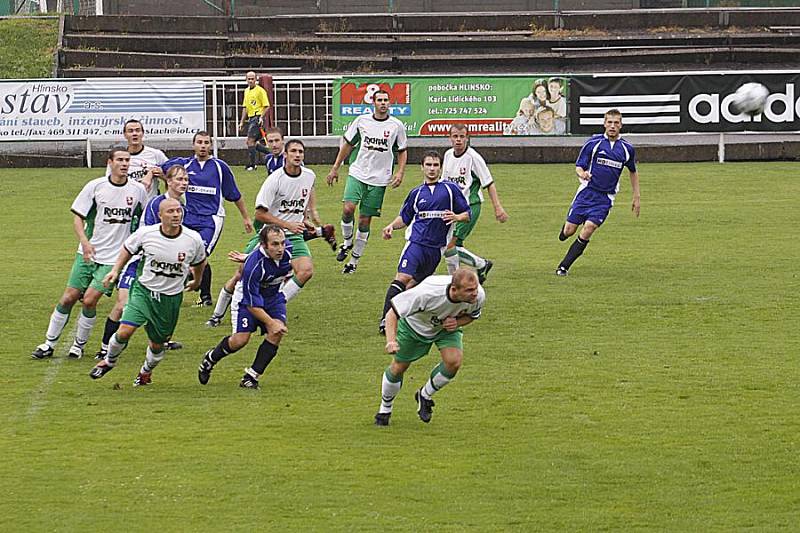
750,98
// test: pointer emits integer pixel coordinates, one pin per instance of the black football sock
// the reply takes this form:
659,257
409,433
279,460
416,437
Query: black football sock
205,284
561,236
222,350
395,288
111,327
574,252
266,353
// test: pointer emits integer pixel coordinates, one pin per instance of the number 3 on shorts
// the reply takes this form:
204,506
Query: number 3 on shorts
244,322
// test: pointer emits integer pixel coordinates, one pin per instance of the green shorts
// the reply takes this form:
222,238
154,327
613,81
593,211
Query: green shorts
157,312
413,346
84,275
252,244
368,198
463,229
299,246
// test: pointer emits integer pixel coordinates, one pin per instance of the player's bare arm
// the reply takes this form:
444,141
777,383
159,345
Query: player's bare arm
237,257
402,159
312,215
583,175
197,276
397,223
248,223
344,153
391,332
122,260
86,246
635,188
274,326
262,215
449,217
499,213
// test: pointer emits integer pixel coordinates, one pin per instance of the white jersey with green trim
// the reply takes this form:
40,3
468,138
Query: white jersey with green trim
376,139
165,260
108,210
426,305
469,171
141,162
285,196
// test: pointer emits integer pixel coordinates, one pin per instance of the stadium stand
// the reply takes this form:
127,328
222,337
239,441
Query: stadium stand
411,43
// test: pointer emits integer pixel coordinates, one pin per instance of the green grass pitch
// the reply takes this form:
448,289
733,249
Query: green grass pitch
655,388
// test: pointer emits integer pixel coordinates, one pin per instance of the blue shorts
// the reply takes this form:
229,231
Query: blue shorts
254,128
209,232
419,261
590,204
129,276
275,307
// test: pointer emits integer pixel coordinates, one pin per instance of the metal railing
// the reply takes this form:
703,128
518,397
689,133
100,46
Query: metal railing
302,105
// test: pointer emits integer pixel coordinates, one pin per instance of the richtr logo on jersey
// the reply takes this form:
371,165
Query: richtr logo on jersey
117,215
167,270
376,143
293,206
356,99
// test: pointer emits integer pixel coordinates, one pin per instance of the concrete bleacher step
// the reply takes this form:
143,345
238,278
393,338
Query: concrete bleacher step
145,60
164,43
107,72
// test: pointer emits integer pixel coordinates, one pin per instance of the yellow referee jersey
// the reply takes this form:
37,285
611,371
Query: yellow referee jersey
255,100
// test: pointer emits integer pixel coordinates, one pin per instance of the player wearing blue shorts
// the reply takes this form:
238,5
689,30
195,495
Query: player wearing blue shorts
262,307
599,167
429,212
210,182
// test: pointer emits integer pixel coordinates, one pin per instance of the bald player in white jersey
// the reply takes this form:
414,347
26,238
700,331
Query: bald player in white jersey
432,312
169,252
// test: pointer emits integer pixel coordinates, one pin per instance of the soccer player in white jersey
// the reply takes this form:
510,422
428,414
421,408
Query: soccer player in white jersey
284,200
169,251
464,166
433,312
599,167
145,165
377,135
103,211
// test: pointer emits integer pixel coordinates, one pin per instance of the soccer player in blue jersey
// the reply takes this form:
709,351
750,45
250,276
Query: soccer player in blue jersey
429,212
262,307
210,182
599,167
274,150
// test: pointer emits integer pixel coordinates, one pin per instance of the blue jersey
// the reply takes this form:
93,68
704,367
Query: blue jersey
210,182
605,159
423,213
274,163
151,216
262,276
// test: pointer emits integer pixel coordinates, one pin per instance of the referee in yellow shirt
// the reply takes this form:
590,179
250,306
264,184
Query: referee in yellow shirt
255,107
